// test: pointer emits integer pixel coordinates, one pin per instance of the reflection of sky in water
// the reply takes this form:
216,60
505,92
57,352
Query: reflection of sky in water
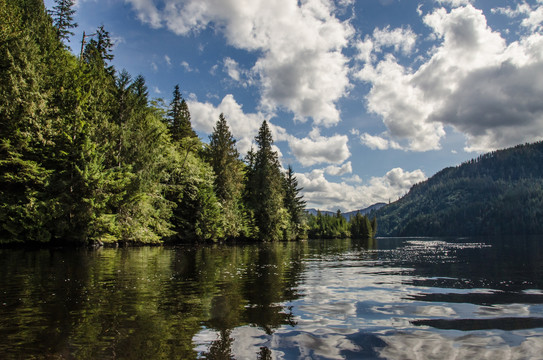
362,304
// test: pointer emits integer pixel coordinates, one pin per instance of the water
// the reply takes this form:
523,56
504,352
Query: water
407,298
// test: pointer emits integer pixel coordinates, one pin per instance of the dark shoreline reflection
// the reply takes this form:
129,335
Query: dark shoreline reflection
141,302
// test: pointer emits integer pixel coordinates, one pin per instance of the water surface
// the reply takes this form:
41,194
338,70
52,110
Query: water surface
408,298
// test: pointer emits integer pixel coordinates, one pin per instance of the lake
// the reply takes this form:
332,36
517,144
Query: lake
390,298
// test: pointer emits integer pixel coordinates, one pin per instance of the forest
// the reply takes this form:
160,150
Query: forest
326,226
498,193
86,157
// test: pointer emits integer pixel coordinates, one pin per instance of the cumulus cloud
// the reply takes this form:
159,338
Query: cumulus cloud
308,151
533,16
320,193
378,142
318,149
472,80
232,68
400,39
346,168
301,67
147,12
244,127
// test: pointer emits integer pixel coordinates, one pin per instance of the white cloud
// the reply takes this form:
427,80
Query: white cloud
147,12
472,81
454,3
320,193
346,168
320,149
157,90
378,142
213,69
402,40
301,67
244,127
354,179
168,60
365,50
185,65
533,16
232,68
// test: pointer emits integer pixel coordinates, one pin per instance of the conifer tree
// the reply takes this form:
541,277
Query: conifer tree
98,51
294,202
179,115
265,188
223,157
63,18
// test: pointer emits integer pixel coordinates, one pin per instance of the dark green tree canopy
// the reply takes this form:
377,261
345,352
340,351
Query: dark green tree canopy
224,158
265,187
294,201
179,115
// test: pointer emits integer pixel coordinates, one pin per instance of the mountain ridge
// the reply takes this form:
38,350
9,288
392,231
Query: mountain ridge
348,215
500,192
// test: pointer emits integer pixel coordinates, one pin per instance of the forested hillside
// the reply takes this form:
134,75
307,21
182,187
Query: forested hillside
87,157
498,193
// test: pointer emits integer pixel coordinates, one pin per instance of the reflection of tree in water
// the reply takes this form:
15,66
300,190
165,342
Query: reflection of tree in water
266,277
221,349
264,354
145,302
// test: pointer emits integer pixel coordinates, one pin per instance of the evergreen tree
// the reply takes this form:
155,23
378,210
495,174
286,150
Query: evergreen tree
63,18
223,157
197,215
25,36
180,117
98,51
265,188
294,202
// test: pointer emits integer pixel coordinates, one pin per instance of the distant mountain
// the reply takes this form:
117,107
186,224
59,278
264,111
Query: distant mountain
365,211
498,193
348,215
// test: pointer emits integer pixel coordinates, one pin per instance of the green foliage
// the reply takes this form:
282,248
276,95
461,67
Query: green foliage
294,204
337,227
497,193
86,158
179,115
265,191
197,215
223,157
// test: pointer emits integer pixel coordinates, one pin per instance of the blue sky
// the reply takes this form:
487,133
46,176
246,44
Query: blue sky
365,97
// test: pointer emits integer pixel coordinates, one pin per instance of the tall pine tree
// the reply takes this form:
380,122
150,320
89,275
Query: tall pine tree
265,188
179,115
223,157
294,203
63,18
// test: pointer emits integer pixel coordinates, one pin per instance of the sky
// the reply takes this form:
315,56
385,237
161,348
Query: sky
364,97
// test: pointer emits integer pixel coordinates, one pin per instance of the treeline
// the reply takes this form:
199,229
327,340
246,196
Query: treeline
498,193
87,157
326,226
